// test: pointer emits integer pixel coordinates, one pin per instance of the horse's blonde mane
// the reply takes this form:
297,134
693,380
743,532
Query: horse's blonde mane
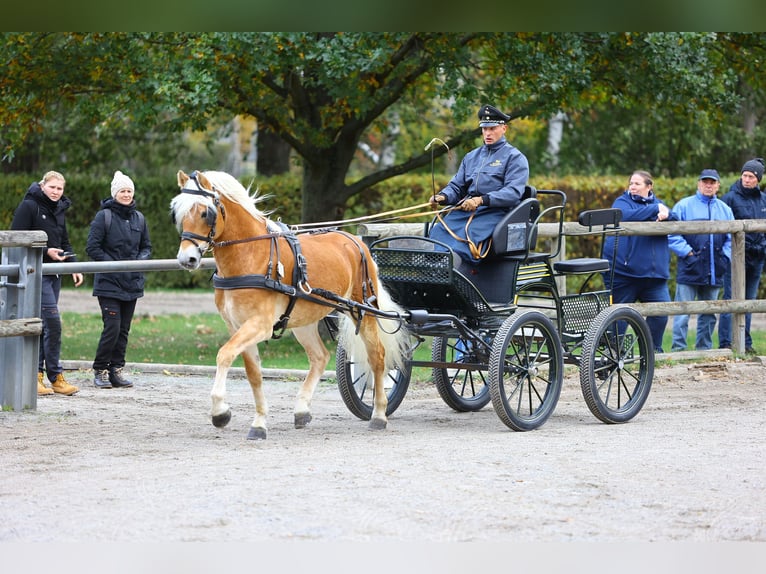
225,185
228,186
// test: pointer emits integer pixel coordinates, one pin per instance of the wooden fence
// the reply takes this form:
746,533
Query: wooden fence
737,305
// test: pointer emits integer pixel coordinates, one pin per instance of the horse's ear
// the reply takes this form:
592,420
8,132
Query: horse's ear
182,179
204,182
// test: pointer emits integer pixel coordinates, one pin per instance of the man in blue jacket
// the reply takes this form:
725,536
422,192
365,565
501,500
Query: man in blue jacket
488,184
747,201
702,258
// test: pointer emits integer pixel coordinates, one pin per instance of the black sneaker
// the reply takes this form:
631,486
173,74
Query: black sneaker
750,351
117,380
101,379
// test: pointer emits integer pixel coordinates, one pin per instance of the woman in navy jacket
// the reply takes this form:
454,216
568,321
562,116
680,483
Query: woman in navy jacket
118,232
44,208
642,264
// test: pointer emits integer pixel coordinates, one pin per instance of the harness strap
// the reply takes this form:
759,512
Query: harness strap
475,250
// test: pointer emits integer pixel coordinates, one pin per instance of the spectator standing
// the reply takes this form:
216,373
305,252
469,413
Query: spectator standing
44,208
489,183
642,265
118,232
747,201
702,258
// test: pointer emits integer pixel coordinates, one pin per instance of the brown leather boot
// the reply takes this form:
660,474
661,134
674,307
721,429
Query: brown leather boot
42,390
61,387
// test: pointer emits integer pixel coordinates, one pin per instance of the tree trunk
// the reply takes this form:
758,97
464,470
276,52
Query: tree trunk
323,192
273,157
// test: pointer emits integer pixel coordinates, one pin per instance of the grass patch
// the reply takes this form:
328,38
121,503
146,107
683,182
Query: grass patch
191,340
177,340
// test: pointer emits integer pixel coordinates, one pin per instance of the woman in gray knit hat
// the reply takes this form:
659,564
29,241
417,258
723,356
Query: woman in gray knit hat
747,201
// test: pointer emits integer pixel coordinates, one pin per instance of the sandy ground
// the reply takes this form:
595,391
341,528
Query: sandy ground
145,465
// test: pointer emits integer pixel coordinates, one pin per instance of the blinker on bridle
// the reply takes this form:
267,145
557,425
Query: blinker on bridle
211,215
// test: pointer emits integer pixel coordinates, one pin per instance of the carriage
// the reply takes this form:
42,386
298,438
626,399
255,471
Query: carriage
501,331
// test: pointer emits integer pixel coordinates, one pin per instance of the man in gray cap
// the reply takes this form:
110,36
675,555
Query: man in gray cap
702,258
747,201
488,184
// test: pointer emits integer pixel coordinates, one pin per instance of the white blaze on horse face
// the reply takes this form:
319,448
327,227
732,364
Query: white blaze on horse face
188,256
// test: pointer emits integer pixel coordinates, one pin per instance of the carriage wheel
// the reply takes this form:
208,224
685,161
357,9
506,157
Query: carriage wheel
526,370
464,389
356,384
617,364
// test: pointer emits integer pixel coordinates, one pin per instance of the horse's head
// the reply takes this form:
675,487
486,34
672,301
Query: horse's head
195,212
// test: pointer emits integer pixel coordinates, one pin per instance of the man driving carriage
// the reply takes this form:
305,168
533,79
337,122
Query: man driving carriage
488,184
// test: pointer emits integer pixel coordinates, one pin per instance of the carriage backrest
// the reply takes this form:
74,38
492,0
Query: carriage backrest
516,233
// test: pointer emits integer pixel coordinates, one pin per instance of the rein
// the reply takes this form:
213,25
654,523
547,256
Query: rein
476,250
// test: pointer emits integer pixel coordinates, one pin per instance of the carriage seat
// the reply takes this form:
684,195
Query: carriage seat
599,221
515,236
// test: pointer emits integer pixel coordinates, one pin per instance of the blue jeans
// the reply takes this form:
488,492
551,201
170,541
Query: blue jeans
644,290
50,339
753,269
705,322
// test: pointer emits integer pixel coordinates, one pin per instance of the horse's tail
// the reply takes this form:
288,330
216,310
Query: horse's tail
393,333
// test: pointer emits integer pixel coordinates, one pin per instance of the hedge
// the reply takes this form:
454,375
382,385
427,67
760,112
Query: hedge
153,196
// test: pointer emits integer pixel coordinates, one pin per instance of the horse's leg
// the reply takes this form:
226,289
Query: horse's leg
249,333
376,359
255,378
318,355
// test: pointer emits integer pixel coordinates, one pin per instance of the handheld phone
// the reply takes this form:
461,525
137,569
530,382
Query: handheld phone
68,254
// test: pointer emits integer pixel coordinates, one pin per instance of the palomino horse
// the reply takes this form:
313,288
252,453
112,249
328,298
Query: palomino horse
259,289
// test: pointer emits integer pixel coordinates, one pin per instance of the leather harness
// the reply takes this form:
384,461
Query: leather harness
272,279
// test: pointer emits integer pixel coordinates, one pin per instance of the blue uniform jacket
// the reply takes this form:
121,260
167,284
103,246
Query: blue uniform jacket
712,252
645,256
498,173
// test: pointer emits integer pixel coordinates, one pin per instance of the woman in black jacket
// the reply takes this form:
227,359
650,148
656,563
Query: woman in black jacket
43,208
118,232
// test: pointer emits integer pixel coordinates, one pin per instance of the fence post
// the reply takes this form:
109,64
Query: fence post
20,298
738,289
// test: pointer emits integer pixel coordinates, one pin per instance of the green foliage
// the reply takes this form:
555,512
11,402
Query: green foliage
324,92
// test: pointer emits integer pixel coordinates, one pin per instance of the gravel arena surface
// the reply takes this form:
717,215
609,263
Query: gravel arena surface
145,465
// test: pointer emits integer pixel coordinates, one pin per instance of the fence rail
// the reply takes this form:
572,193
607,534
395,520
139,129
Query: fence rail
21,271
738,306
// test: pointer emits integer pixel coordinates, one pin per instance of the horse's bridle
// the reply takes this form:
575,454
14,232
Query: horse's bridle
211,216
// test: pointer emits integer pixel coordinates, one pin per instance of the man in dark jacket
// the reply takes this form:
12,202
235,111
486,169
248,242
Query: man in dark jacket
747,201
43,208
117,233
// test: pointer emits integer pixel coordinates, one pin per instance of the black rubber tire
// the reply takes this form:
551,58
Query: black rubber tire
462,389
526,370
356,386
617,366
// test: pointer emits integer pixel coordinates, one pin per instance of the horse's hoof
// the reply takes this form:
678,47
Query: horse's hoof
302,419
377,424
256,433
220,421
